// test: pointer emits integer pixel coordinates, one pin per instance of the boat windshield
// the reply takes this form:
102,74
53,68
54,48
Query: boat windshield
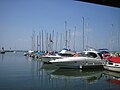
100,55
65,55
89,54
92,55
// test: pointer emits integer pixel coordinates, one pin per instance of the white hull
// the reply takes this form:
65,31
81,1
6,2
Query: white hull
47,58
112,67
113,64
77,62
89,59
62,54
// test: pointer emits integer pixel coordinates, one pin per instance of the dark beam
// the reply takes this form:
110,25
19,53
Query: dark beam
112,3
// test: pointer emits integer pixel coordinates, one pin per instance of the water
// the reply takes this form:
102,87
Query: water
18,72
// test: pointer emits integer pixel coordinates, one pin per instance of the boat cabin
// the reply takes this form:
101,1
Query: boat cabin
92,54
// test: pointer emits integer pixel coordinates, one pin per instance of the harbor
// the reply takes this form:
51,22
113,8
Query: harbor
59,45
21,72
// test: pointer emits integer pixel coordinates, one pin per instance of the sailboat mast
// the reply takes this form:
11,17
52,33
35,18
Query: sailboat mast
118,38
42,42
56,40
69,39
37,42
83,33
47,42
53,40
33,40
66,34
74,37
61,41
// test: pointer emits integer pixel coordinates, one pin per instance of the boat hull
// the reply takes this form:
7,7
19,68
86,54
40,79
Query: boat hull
46,59
90,59
79,63
112,68
2,52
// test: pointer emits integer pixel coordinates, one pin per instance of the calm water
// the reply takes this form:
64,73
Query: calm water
18,72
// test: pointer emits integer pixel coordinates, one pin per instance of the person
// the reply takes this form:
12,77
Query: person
76,55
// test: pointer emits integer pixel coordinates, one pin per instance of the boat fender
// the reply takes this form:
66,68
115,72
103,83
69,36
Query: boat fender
86,63
81,66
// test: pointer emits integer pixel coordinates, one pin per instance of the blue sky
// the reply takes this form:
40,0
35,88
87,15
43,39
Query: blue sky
18,18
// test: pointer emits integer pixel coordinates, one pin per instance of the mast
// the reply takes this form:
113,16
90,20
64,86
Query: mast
47,42
69,39
74,37
33,40
39,41
66,34
83,33
42,42
53,40
118,40
61,41
50,43
112,41
56,40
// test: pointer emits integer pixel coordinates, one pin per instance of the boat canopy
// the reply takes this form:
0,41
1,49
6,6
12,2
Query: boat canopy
40,53
66,52
114,59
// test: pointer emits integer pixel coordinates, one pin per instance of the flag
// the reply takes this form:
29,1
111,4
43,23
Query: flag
50,39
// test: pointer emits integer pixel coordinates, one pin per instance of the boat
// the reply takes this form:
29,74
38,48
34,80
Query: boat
2,51
14,51
62,54
105,53
113,64
28,53
47,58
88,59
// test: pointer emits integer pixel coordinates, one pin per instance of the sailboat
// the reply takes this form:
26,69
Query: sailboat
2,51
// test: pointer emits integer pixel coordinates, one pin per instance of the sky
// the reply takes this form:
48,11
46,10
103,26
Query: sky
19,18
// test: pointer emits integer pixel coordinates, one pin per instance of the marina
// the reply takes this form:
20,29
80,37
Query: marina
59,45
20,72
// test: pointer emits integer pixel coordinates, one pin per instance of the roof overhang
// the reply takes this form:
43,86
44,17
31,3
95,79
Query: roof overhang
112,3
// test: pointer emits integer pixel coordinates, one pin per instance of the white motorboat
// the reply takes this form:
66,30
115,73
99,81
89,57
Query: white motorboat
28,53
113,64
88,59
62,54
47,58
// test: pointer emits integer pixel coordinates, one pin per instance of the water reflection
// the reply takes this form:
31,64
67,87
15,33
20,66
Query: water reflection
89,76
2,57
112,74
48,76
112,77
